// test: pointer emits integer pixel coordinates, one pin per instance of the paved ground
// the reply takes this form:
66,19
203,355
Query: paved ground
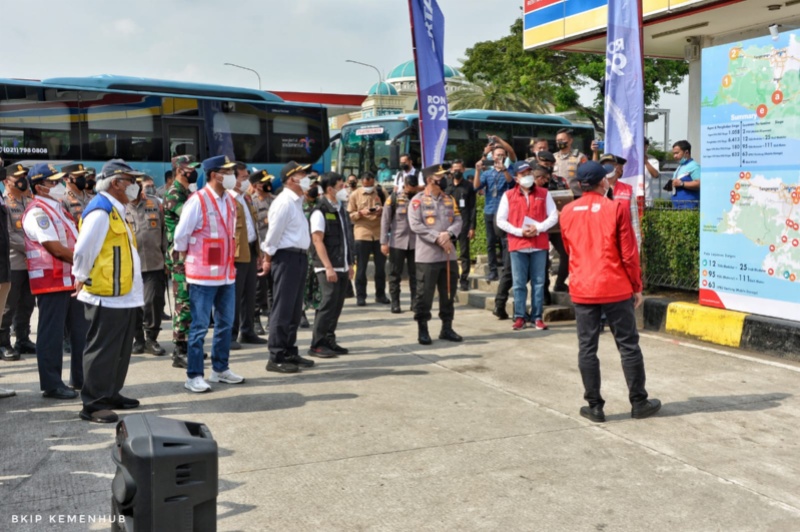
483,435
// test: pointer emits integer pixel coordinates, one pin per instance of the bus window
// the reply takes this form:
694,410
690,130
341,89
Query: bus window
122,126
296,138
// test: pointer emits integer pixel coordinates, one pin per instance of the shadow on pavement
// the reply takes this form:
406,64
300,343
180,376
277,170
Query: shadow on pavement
721,403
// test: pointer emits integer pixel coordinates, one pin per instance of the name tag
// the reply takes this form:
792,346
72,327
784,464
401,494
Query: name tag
330,216
462,203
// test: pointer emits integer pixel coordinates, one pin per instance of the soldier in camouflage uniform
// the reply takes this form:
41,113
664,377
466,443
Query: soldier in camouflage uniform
263,188
185,171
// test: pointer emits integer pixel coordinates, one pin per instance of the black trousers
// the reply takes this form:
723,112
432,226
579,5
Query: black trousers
622,320
506,278
59,311
563,261
397,259
148,317
244,314
430,277
493,241
108,354
289,269
365,248
263,294
330,309
463,253
19,306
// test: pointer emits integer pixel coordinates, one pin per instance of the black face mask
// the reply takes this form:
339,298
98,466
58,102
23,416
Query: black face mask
266,187
406,167
79,182
22,185
458,175
438,183
191,177
561,144
90,185
353,184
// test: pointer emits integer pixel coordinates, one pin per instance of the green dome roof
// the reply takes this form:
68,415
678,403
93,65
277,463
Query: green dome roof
385,89
406,70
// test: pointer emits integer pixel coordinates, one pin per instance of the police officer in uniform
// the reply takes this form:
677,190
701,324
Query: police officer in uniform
50,236
185,172
146,217
398,241
77,195
568,160
20,302
436,220
91,181
263,186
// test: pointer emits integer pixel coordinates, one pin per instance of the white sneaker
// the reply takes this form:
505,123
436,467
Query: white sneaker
227,376
197,385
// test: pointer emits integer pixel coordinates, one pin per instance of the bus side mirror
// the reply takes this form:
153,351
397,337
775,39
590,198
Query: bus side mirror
394,156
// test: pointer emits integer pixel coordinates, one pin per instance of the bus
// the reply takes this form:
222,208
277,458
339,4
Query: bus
364,143
146,122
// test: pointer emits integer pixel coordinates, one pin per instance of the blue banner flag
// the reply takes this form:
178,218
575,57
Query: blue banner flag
624,95
427,34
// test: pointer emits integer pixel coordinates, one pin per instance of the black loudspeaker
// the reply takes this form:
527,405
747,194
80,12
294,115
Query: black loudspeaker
166,477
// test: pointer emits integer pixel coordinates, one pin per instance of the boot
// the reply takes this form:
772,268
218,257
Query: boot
6,351
447,332
179,359
257,327
423,337
396,305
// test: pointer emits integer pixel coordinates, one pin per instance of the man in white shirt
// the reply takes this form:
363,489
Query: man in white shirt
108,273
332,256
406,169
652,170
205,240
286,256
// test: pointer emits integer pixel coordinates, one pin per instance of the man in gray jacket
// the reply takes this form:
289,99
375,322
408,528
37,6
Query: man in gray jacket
398,241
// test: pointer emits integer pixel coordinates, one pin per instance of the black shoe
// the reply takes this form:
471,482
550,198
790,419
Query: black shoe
339,350
300,361
304,322
282,367
464,286
593,413
646,409
179,359
25,347
252,339
383,300
322,351
561,288
396,307
447,333
235,346
165,316
8,353
60,393
500,312
125,403
138,348
100,416
361,302
154,348
259,329
492,276
423,336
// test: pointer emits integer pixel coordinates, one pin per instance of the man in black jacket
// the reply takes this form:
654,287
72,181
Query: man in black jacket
463,192
332,256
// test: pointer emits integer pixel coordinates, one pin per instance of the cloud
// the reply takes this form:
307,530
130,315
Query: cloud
125,27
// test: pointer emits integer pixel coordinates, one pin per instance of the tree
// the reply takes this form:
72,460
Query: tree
555,76
483,94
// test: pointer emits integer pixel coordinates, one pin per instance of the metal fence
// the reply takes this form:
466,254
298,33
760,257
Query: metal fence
671,245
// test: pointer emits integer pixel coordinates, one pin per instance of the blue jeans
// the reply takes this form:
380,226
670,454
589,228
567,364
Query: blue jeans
201,300
527,267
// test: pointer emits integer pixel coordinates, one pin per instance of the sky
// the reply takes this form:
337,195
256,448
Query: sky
295,45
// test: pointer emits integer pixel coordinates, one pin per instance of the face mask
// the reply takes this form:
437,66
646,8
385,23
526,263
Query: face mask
58,192
90,185
458,175
682,161
406,167
132,192
191,177
382,166
353,184
341,195
438,182
313,193
228,181
368,190
80,182
561,144
150,191
305,183
193,187
266,187
526,181
22,185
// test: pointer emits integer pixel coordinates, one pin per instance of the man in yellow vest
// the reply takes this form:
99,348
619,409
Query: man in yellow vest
108,273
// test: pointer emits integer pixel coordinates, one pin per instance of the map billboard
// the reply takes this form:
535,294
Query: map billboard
750,193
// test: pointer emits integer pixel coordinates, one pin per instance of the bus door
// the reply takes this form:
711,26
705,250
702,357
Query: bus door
184,137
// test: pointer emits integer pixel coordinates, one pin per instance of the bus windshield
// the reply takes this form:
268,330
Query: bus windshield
365,147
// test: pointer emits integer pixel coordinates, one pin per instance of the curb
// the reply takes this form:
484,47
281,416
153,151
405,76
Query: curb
776,337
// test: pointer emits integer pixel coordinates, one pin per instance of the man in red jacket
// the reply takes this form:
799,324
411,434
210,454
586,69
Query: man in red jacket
606,278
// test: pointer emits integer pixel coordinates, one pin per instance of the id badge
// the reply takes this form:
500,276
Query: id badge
462,203
494,193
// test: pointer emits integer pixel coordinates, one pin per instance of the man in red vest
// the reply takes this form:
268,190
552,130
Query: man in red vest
605,278
205,239
622,192
50,236
526,212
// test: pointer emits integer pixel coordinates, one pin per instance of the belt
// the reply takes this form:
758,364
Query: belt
294,250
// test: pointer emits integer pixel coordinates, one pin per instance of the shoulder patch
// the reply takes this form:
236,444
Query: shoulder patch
415,204
42,220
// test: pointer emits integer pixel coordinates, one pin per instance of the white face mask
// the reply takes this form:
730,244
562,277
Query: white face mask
305,183
526,181
192,187
341,195
132,192
58,192
368,190
228,181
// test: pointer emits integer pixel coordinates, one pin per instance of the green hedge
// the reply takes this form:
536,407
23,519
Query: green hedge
671,248
478,244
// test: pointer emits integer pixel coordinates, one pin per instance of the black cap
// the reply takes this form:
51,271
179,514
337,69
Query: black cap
15,170
116,167
291,168
616,159
591,173
436,169
75,168
546,156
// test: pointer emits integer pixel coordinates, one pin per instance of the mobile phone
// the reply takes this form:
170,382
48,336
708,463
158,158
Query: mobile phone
601,145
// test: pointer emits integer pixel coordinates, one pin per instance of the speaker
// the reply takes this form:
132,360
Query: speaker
167,475
691,52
